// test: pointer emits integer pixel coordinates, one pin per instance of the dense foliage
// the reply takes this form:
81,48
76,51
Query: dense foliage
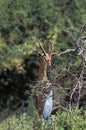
22,24
62,121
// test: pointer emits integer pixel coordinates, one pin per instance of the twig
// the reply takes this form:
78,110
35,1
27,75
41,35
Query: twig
67,51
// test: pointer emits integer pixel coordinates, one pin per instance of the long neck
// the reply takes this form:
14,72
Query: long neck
42,70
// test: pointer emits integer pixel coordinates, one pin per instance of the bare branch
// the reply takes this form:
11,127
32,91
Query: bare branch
64,52
67,51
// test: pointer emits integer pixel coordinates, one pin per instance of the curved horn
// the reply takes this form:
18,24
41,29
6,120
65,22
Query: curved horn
51,47
42,48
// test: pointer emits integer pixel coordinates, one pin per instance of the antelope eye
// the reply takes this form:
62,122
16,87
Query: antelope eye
46,58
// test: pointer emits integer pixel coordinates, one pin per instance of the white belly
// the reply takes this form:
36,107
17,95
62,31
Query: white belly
48,106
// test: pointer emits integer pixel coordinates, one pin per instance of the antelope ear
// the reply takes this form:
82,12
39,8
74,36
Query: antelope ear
40,54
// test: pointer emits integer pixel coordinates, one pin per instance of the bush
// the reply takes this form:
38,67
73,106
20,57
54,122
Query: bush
61,121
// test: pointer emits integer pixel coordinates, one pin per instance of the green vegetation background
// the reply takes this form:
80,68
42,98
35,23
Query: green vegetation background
22,24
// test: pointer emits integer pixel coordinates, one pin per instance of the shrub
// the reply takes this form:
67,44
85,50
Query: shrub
61,121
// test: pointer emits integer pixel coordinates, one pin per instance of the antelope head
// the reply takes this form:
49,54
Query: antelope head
46,55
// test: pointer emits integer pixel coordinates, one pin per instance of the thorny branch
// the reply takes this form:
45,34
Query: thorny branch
78,43
67,51
77,81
